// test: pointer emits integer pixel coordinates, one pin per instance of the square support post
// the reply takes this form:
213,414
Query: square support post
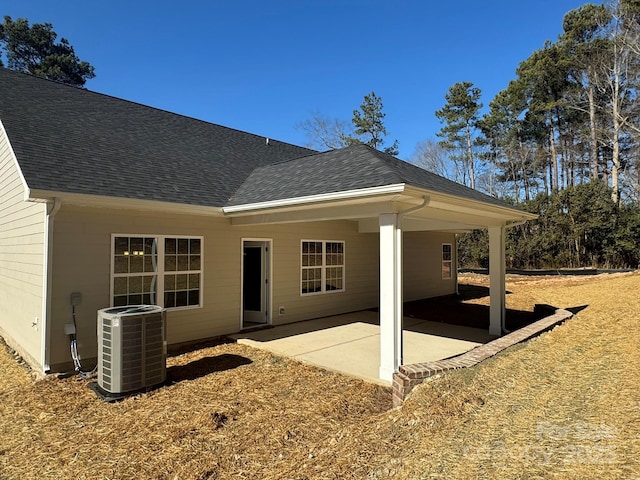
497,272
390,295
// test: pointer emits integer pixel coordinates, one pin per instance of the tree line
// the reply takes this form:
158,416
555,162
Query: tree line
561,140
570,115
577,227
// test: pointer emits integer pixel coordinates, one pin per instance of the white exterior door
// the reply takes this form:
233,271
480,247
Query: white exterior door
255,282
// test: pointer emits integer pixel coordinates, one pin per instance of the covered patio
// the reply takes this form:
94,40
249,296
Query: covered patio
350,343
389,339
384,196
433,329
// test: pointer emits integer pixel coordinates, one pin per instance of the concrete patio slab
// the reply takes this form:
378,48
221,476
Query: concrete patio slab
350,343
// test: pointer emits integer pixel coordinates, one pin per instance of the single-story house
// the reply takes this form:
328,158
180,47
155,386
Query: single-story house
127,204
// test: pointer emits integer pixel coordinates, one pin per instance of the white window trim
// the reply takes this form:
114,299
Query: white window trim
324,267
161,272
443,261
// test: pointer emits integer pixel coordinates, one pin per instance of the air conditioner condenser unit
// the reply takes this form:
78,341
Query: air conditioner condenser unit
132,348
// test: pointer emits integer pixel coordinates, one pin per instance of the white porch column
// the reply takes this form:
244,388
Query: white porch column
497,271
390,295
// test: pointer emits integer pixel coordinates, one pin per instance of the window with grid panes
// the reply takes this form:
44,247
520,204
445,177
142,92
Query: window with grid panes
135,271
157,270
182,270
322,267
447,261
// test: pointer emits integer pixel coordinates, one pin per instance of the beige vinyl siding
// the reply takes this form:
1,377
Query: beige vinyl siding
82,246
22,243
422,264
82,263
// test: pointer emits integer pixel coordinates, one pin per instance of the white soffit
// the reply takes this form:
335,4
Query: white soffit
104,201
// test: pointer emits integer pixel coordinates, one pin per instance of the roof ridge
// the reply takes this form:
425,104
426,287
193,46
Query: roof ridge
207,164
385,157
411,165
280,162
440,178
376,153
87,135
149,107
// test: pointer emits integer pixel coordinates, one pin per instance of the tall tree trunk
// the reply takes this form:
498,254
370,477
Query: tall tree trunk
564,164
571,168
513,167
615,160
522,155
542,164
472,170
593,133
615,111
553,167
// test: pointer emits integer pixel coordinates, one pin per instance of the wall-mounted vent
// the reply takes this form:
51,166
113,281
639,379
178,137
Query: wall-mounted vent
132,348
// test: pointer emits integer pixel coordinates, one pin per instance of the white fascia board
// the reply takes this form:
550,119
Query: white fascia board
84,200
447,201
3,133
321,198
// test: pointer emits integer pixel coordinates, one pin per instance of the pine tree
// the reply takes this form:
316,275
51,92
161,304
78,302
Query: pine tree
33,49
460,116
369,127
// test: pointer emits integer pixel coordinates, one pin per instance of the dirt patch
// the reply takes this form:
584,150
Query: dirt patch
564,405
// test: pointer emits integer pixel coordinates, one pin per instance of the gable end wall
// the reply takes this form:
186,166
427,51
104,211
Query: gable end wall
22,241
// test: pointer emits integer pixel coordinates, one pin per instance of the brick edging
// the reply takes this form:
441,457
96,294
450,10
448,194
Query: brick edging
411,375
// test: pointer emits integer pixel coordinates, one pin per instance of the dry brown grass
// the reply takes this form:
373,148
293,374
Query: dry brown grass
565,405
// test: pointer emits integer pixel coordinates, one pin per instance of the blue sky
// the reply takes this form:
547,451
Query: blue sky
263,67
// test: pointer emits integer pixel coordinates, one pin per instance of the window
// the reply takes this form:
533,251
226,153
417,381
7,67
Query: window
158,270
447,261
135,267
182,260
322,266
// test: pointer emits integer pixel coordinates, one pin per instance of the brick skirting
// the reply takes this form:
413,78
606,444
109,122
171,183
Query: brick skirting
411,375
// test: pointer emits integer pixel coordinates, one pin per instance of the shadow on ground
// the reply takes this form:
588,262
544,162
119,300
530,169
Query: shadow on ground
443,311
576,310
179,349
204,366
452,309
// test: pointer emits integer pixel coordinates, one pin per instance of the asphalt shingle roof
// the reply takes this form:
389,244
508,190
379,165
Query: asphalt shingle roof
349,168
72,140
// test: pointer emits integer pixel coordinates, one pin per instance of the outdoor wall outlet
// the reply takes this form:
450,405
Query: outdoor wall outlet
281,310
69,329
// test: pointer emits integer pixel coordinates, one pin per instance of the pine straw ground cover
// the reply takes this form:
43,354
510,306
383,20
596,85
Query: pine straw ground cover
564,405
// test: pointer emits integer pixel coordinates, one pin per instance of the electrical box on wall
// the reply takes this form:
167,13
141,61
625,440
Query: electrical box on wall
76,298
